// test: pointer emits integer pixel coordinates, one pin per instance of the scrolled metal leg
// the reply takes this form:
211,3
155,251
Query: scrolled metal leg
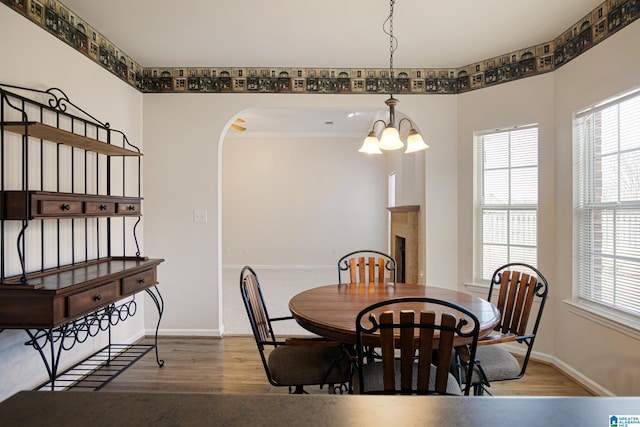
159,303
39,339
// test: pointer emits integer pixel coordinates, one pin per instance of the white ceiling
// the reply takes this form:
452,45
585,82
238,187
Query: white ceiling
327,33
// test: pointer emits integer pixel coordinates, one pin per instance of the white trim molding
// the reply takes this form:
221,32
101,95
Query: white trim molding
562,366
477,288
217,333
281,267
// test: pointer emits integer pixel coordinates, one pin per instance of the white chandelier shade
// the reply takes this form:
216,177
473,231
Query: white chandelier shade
390,139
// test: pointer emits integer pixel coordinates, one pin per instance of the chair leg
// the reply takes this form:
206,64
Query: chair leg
371,354
455,368
477,390
480,390
297,390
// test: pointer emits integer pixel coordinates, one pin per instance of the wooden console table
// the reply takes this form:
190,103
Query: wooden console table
58,297
66,306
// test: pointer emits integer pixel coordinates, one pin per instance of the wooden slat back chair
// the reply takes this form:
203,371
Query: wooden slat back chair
367,266
297,362
523,290
412,362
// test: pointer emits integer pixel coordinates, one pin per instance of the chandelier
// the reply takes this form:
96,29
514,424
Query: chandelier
390,138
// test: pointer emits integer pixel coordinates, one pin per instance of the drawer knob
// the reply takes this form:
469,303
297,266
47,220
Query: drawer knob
131,208
103,207
65,207
141,280
97,297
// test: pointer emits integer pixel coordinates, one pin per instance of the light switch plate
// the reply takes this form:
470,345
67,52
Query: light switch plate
200,215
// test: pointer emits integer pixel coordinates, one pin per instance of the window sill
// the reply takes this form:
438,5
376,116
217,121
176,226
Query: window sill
477,288
625,324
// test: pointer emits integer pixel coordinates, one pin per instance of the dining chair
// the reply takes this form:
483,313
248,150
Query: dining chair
367,266
416,353
523,291
294,362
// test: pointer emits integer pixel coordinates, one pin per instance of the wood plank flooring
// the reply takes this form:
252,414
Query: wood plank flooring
232,365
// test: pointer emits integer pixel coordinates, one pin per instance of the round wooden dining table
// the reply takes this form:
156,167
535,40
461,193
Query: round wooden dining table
330,311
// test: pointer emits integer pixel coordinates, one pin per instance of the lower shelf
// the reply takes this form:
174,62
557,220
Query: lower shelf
99,369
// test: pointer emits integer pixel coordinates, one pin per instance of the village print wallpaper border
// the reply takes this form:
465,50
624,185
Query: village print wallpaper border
604,21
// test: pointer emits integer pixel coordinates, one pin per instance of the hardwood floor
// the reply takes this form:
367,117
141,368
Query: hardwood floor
232,365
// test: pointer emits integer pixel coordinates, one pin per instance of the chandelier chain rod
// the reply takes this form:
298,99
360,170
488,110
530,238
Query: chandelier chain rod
393,45
391,39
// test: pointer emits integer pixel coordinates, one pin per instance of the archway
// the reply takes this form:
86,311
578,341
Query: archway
291,204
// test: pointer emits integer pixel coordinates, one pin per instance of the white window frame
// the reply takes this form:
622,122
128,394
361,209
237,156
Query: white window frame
594,285
481,270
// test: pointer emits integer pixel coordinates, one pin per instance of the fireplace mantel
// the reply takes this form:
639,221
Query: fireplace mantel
405,241
407,208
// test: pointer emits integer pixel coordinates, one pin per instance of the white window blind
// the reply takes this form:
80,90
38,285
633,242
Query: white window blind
606,236
506,199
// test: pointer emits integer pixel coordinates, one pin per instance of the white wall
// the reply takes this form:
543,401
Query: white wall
293,206
33,58
183,145
597,346
587,346
301,201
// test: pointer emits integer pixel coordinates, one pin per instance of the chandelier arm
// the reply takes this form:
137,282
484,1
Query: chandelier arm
373,127
402,120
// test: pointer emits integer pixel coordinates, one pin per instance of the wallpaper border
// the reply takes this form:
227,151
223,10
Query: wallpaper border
604,21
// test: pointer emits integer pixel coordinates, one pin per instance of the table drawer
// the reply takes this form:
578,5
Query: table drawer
92,299
99,208
59,207
139,281
128,208
21,205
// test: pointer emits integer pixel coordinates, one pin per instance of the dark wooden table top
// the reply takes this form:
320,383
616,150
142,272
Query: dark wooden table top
101,408
330,311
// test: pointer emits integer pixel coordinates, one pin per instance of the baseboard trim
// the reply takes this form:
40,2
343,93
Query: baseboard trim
281,267
186,332
563,367
137,337
581,379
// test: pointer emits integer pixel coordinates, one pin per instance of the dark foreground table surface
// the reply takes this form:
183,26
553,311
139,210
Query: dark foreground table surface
31,408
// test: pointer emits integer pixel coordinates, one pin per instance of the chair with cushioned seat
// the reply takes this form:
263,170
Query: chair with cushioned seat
410,362
367,266
522,288
295,362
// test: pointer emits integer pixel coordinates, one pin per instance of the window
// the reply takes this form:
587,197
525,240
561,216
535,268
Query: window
606,235
506,199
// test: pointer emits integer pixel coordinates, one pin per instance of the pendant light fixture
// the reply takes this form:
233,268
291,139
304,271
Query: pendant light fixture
390,138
